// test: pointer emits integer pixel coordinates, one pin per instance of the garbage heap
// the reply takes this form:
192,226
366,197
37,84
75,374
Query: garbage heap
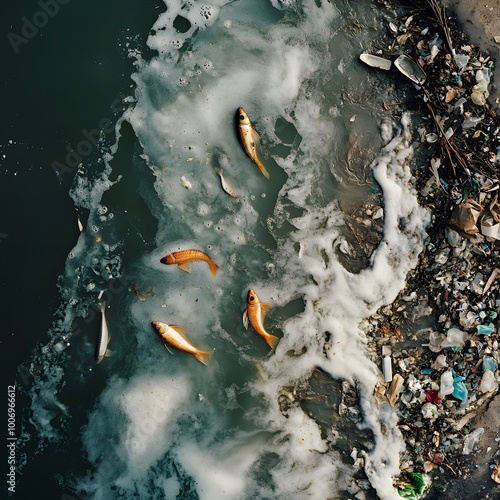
438,343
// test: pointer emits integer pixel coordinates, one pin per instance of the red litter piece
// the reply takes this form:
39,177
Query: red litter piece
432,395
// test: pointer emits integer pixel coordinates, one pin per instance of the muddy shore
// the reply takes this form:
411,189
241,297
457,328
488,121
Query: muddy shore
480,19
449,289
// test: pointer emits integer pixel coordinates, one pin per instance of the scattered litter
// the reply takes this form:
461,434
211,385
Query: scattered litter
471,440
395,389
375,61
185,183
408,67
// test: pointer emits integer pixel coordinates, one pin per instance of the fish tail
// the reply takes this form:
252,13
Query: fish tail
262,168
272,340
213,266
203,357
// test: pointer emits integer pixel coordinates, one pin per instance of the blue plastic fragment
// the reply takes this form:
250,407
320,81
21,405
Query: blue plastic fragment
460,391
489,363
485,329
427,371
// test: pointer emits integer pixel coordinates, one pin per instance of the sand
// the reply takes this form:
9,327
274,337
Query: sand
480,19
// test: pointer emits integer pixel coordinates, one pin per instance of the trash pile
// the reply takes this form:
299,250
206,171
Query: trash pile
438,344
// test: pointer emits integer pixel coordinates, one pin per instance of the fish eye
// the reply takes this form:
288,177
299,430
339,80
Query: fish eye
242,117
252,298
157,327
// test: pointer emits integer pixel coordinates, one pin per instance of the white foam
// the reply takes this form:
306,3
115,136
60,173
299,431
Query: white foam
162,438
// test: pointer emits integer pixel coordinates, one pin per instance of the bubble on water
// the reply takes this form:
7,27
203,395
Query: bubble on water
209,247
208,65
95,260
103,218
219,291
176,43
227,23
183,82
95,228
71,255
208,223
263,195
111,215
102,209
73,302
206,12
90,286
252,197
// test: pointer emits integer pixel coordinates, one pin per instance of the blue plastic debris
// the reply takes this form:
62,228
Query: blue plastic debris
489,363
485,329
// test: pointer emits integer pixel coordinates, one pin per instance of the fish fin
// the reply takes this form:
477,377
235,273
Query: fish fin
213,267
245,319
166,346
180,330
263,310
272,340
255,135
203,357
108,353
184,267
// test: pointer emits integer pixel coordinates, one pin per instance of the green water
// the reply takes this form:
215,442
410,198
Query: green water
68,82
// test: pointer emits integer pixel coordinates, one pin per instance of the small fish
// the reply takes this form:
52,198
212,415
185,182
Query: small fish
255,312
103,339
248,138
226,187
174,335
79,222
184,256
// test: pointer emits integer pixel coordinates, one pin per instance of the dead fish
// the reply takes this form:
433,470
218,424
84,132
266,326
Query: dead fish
226,187
103,339
248,138
173,335
255,312
184,256
79,222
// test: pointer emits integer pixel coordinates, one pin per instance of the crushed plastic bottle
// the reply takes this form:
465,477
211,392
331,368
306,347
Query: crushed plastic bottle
454,338
471,440
446,386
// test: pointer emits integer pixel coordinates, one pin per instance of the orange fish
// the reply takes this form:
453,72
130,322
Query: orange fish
184,256
248,138
174,335
255,312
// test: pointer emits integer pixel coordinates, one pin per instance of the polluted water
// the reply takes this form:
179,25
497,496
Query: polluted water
152,424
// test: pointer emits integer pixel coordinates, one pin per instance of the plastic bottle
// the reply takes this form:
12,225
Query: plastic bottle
446,386
387,368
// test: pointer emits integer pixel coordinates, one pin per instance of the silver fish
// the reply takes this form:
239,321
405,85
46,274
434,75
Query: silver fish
103,340
226,187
